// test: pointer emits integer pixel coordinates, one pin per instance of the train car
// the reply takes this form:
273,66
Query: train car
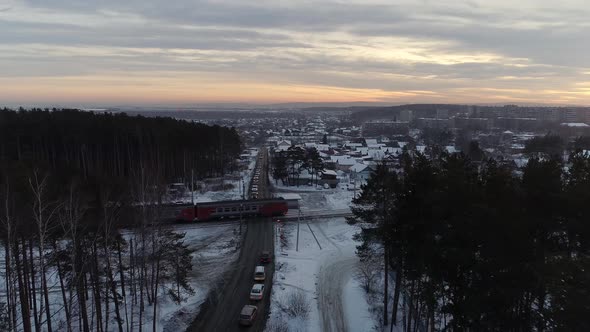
234,209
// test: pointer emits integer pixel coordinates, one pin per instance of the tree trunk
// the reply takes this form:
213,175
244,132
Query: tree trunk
63,291
96,287
32,286
411,307
8,280
386,286
157,281
122,277
113,285
44,285
398,284
22,290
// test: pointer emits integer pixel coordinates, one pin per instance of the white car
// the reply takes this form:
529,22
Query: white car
257,292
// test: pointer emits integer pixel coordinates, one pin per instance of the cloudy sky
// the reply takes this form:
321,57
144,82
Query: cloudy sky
139,52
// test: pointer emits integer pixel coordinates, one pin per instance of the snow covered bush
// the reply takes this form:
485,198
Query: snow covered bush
297,305
277,326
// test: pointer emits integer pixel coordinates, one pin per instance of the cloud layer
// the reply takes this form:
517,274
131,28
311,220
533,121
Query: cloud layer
266,51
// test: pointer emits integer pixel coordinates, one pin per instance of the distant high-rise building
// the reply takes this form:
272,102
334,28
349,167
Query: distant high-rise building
405,115
571,115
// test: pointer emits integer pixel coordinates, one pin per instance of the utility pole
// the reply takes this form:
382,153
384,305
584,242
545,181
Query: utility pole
193,186
298,221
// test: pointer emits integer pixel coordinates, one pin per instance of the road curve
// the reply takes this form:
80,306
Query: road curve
331,280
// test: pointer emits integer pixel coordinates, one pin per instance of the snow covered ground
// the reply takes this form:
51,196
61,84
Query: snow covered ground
216,249
238,183
325,199
321,267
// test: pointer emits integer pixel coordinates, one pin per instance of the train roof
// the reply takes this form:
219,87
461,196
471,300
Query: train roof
238,202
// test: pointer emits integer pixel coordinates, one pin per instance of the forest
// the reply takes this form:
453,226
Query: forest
69,180
474,246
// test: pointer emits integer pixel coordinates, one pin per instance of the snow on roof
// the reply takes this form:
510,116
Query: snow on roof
394,151
353,144
357,168
343,160
362,150
421,148
323,147
283,142
451,149
574,124
329,172
370,141
288,196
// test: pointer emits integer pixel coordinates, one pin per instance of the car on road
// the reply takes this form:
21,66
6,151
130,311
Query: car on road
248,314
259,274
265,257
257,292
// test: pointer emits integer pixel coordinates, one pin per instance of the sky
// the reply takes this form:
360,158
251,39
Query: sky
190,52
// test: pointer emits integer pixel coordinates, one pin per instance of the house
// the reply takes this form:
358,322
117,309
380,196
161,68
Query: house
330,177
342,163
283,145
361,172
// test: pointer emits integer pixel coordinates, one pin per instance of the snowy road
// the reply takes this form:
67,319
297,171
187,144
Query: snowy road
331,281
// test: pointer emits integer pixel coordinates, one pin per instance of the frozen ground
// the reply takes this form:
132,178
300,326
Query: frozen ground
216,249
322,269
236,192
325,199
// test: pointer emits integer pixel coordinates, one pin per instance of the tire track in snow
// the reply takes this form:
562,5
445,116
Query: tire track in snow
332,279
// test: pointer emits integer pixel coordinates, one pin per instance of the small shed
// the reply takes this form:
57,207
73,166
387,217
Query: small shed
291,198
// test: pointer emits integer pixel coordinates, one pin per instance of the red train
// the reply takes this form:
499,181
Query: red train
234,209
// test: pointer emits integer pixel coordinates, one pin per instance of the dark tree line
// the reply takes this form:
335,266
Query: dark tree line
476,248
68,181
288,164
115,145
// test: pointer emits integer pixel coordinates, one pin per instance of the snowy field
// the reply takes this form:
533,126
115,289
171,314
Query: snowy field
321,268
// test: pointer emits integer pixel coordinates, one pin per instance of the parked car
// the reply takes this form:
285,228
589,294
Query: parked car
257,292
265,257
248,314
259,274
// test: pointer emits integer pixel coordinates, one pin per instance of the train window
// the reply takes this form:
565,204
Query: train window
219,209
227,209
254,207
234,209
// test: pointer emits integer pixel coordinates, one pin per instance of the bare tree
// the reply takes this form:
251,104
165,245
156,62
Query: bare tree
368,272
44,212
